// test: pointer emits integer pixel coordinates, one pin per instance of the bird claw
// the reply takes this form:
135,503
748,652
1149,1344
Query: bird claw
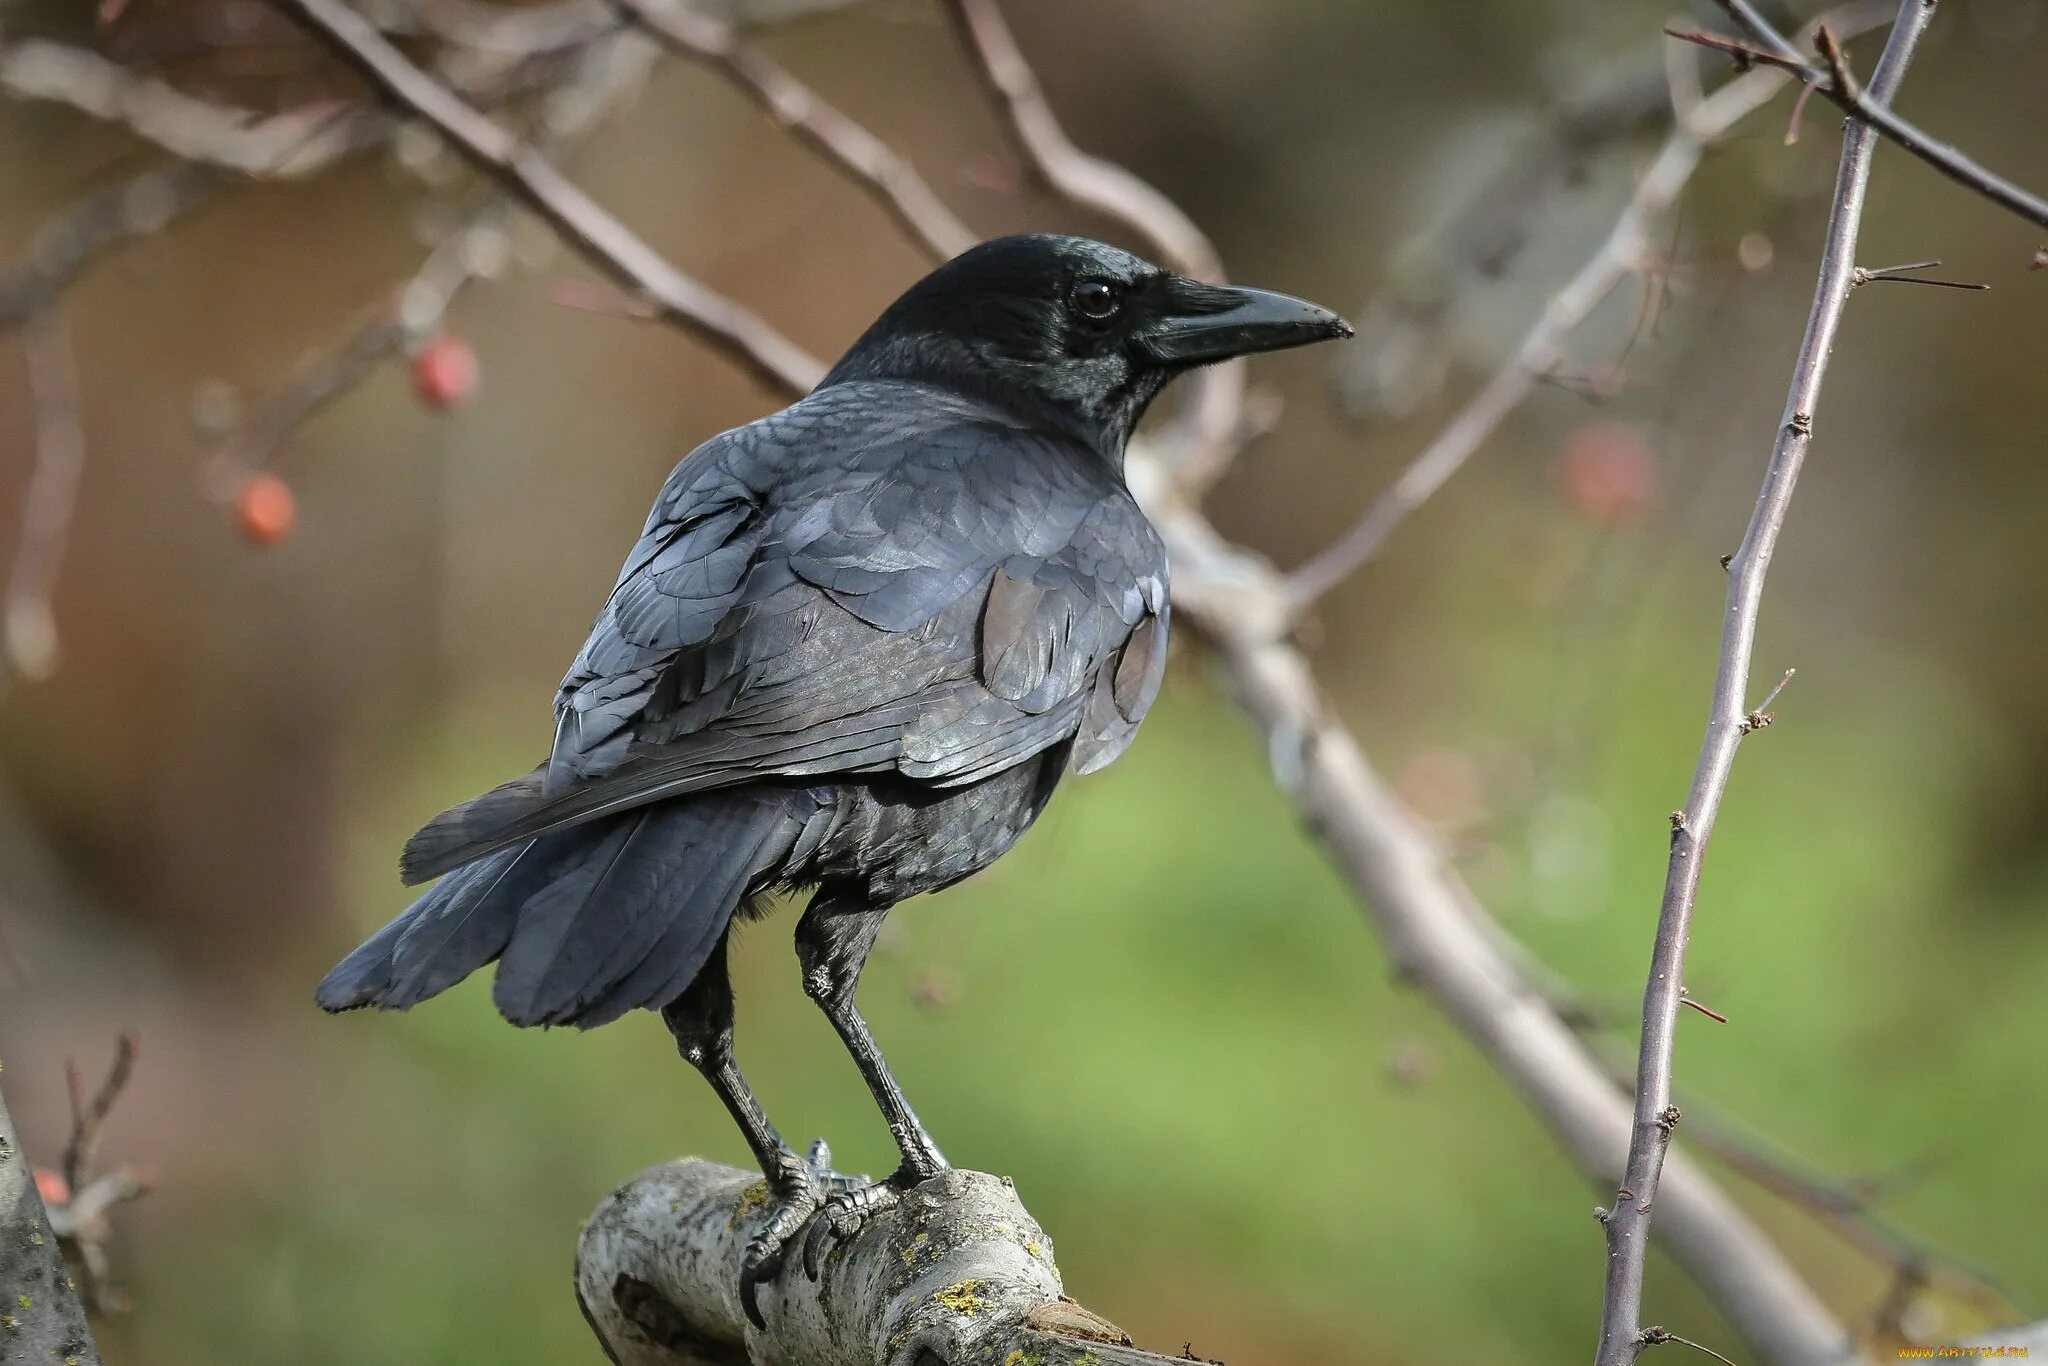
796,1192
846,1211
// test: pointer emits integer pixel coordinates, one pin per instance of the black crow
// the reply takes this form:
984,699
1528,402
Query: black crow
857,645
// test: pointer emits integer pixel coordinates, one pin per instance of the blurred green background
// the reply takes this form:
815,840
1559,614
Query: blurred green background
1161,1014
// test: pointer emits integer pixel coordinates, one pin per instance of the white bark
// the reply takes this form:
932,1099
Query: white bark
957,1272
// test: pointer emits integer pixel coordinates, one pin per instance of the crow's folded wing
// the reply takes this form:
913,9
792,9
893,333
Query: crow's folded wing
947,597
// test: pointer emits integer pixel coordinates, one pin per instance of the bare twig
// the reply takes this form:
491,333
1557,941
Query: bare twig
80,1219
28,630
1624,253
140,206
1654,1336
582,222
1628,1228
282,147
869,161
86,1117
1400,357
604,72
1870,107
1080,178
1210,425
1848,1206
1871,275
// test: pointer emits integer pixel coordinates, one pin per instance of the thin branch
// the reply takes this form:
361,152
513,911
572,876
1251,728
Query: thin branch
1871,107
1081,178
1211,421
1623,254
889,178
86,1117
1398,361
601,238
80,1218
1628,1228
140,206
284,146
605,71
505,30
28,629
1848,1206
1654,1336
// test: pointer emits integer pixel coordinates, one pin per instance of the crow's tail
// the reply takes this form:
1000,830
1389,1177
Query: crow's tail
587,922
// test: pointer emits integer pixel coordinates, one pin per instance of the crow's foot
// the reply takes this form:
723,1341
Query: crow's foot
797,1190
847,1209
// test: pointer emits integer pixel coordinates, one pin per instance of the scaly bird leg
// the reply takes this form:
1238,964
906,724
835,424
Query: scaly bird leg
832,941
701,1020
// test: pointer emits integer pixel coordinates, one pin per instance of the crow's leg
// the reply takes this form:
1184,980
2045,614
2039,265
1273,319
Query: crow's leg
832,944
701,1020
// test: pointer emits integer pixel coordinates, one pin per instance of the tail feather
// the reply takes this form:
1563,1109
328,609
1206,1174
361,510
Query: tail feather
586,922
450,932
644,907
661,974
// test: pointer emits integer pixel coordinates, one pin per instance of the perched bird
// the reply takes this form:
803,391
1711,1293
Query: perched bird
856,647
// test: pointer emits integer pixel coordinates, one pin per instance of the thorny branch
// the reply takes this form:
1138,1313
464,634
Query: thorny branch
1628,1226
1870,107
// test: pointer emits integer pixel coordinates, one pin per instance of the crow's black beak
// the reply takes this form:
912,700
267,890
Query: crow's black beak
1216,322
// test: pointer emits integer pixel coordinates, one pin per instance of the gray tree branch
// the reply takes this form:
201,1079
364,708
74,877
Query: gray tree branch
957,1273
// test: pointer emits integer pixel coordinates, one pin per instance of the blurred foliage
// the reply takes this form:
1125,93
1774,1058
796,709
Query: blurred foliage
1162,1014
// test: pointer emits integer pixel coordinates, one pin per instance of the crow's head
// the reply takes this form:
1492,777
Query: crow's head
1071,331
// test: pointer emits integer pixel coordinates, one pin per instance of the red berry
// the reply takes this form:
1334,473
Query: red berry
1607,471
265,509
444,371
52,1186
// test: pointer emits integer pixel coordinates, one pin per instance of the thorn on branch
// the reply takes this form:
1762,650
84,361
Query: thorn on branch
1655,1336
1838,62
1866,275
1762,715
1686,1000
1798,111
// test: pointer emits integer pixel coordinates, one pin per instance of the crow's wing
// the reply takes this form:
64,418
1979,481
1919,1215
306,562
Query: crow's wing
883,580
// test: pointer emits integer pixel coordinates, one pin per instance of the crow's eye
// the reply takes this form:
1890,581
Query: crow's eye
1096,299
